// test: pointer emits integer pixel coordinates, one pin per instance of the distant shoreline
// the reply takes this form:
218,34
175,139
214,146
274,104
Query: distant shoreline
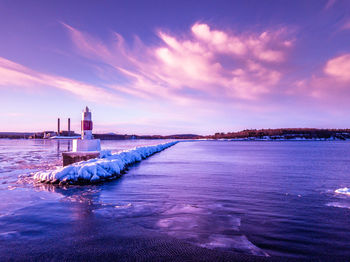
280,134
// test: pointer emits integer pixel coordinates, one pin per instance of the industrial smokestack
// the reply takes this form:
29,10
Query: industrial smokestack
68,125
58,126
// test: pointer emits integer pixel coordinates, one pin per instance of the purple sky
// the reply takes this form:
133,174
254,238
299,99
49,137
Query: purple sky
166,67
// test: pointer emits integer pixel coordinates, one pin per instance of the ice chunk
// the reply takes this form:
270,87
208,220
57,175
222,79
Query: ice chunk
344,191
239,243
338,204
94,170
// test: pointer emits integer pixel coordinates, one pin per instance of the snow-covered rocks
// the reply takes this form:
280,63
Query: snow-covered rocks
108,166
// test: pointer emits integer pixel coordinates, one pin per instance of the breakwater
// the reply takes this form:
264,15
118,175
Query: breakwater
108,166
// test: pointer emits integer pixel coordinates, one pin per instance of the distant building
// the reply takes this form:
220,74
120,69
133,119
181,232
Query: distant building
66,133
52,134
48,134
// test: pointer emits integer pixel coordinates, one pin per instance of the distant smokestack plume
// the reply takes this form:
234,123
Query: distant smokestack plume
68,125
58,126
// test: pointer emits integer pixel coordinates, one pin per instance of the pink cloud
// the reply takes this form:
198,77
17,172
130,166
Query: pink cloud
205,64
219,40
16,75
258,45
339,67
331,85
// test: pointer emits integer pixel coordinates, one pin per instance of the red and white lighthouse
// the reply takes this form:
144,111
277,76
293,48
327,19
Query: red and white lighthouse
86,124
87,142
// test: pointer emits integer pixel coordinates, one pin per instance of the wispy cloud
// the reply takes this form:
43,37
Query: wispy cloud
329,4
15,75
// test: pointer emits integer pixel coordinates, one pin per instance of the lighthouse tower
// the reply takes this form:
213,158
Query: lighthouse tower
86,143
86,124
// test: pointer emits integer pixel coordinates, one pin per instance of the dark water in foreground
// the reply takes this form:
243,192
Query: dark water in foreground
260,198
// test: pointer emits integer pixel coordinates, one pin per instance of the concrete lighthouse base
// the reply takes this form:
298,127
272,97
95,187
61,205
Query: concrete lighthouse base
86,145
83,149
73,157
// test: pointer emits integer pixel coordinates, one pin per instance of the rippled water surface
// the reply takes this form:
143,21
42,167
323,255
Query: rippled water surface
260,198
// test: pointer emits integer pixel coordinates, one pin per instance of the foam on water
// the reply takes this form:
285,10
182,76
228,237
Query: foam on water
96,170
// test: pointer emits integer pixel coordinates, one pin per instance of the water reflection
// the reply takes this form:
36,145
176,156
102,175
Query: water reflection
79,203
58,146
63,142
87,195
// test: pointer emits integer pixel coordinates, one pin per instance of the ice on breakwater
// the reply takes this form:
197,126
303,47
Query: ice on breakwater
95,170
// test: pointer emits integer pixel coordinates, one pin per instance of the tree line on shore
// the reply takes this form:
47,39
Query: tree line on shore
287,133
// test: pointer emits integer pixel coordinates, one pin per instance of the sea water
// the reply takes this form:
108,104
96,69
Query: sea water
264,198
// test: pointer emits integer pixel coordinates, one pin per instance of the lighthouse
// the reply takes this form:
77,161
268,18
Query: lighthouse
87,142
86,124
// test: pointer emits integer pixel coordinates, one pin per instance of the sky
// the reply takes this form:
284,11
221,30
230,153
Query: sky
172,67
